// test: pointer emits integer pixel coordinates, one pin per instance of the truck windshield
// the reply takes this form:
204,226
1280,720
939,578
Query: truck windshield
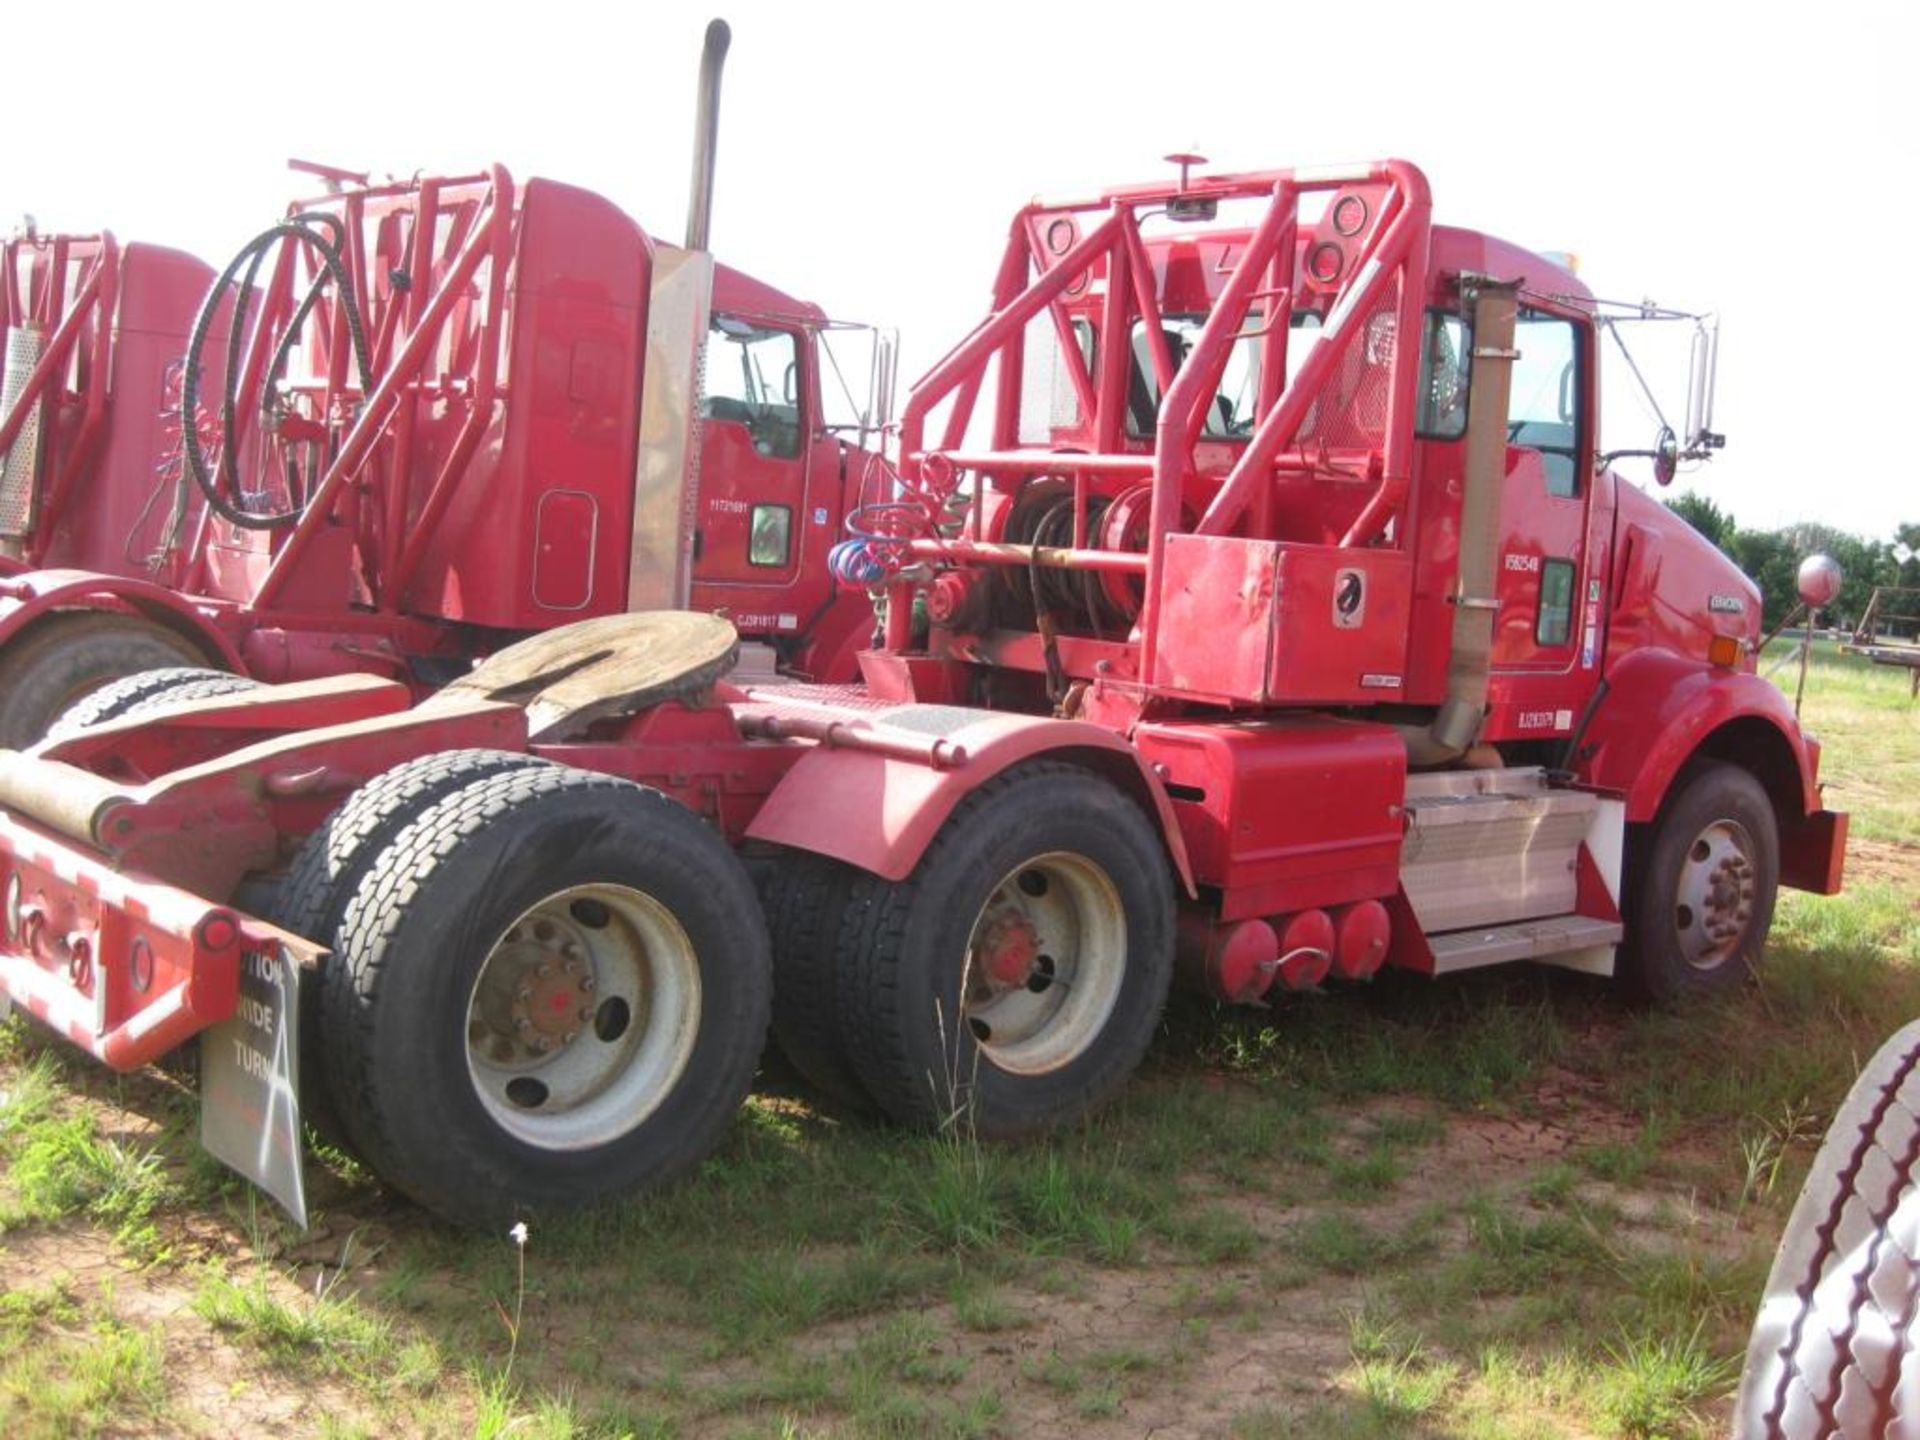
1235,404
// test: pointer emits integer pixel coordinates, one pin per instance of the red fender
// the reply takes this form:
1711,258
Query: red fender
880,812
1662,708
32,595
835,640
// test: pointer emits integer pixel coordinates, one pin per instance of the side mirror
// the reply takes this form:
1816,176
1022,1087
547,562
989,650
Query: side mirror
1818,581
1666,456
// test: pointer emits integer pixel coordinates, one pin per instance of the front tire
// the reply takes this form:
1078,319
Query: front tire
1700,887
1013,982
551,988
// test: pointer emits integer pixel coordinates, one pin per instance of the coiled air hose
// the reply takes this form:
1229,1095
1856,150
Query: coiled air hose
304,227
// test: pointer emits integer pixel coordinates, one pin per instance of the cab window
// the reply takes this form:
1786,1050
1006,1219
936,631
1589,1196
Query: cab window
753,378
1543,410
1443,378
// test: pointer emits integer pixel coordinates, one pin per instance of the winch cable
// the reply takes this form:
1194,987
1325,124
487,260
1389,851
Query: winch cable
303,227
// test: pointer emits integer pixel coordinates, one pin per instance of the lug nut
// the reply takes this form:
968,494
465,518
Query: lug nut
523,1025
586,984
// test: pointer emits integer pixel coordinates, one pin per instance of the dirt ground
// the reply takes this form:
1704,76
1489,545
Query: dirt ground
1098,1352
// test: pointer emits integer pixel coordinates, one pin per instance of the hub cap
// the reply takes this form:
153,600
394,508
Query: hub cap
583,1018
1045,962
1713,904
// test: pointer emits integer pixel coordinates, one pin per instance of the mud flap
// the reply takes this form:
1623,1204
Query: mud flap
250,1082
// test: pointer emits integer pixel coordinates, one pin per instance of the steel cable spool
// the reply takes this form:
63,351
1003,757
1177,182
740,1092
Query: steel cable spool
218,487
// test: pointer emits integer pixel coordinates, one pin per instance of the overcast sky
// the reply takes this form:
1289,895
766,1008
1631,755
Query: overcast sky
1755,160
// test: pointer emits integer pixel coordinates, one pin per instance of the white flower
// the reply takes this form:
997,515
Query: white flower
518,1234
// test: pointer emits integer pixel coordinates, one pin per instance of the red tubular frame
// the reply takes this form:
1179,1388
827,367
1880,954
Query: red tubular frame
95,299
490,237
1395,256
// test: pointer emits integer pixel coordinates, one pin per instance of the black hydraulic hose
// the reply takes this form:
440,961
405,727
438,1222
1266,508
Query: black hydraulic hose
303,227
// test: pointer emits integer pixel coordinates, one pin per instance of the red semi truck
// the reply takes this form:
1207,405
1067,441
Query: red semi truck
1254,593
442,421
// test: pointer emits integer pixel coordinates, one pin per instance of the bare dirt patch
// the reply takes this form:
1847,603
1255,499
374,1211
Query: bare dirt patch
1869,860
215,1387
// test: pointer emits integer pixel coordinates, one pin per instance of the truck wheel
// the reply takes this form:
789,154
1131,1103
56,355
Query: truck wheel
312,899
551,988
1700,888
67,657
804,897
148,690
1833,1350
1014,980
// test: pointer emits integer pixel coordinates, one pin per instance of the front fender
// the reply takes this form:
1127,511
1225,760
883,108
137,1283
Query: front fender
1661,709
880,812
30,596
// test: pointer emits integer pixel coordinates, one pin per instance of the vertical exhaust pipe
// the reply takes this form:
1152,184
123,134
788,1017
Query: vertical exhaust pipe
706,137
666,489
1476,599
1493,306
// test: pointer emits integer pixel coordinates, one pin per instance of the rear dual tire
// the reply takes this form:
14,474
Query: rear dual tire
1014,980
549,988
56,665
329,868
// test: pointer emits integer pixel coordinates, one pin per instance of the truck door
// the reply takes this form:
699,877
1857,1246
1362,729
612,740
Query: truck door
753,462
1542,664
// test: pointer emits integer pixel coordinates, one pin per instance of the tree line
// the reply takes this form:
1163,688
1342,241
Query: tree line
1772,558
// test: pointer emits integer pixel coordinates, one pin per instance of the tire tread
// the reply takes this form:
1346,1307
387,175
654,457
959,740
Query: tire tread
872,1008
400,875
805,896
1834,1340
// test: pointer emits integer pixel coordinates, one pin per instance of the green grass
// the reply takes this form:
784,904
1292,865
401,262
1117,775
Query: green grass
58,1165
325,1334
1869,727
72,1368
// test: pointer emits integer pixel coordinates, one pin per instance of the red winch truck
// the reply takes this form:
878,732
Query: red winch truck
1253,594
426,418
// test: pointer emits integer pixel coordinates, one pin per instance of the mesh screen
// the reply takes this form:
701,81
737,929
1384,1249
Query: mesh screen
19,467
1350,411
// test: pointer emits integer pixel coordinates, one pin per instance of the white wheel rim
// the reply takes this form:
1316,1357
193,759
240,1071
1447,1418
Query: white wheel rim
583,1018
1713,904
1062,914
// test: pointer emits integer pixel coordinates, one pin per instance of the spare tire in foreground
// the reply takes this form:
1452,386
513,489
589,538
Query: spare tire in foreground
1833,1347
